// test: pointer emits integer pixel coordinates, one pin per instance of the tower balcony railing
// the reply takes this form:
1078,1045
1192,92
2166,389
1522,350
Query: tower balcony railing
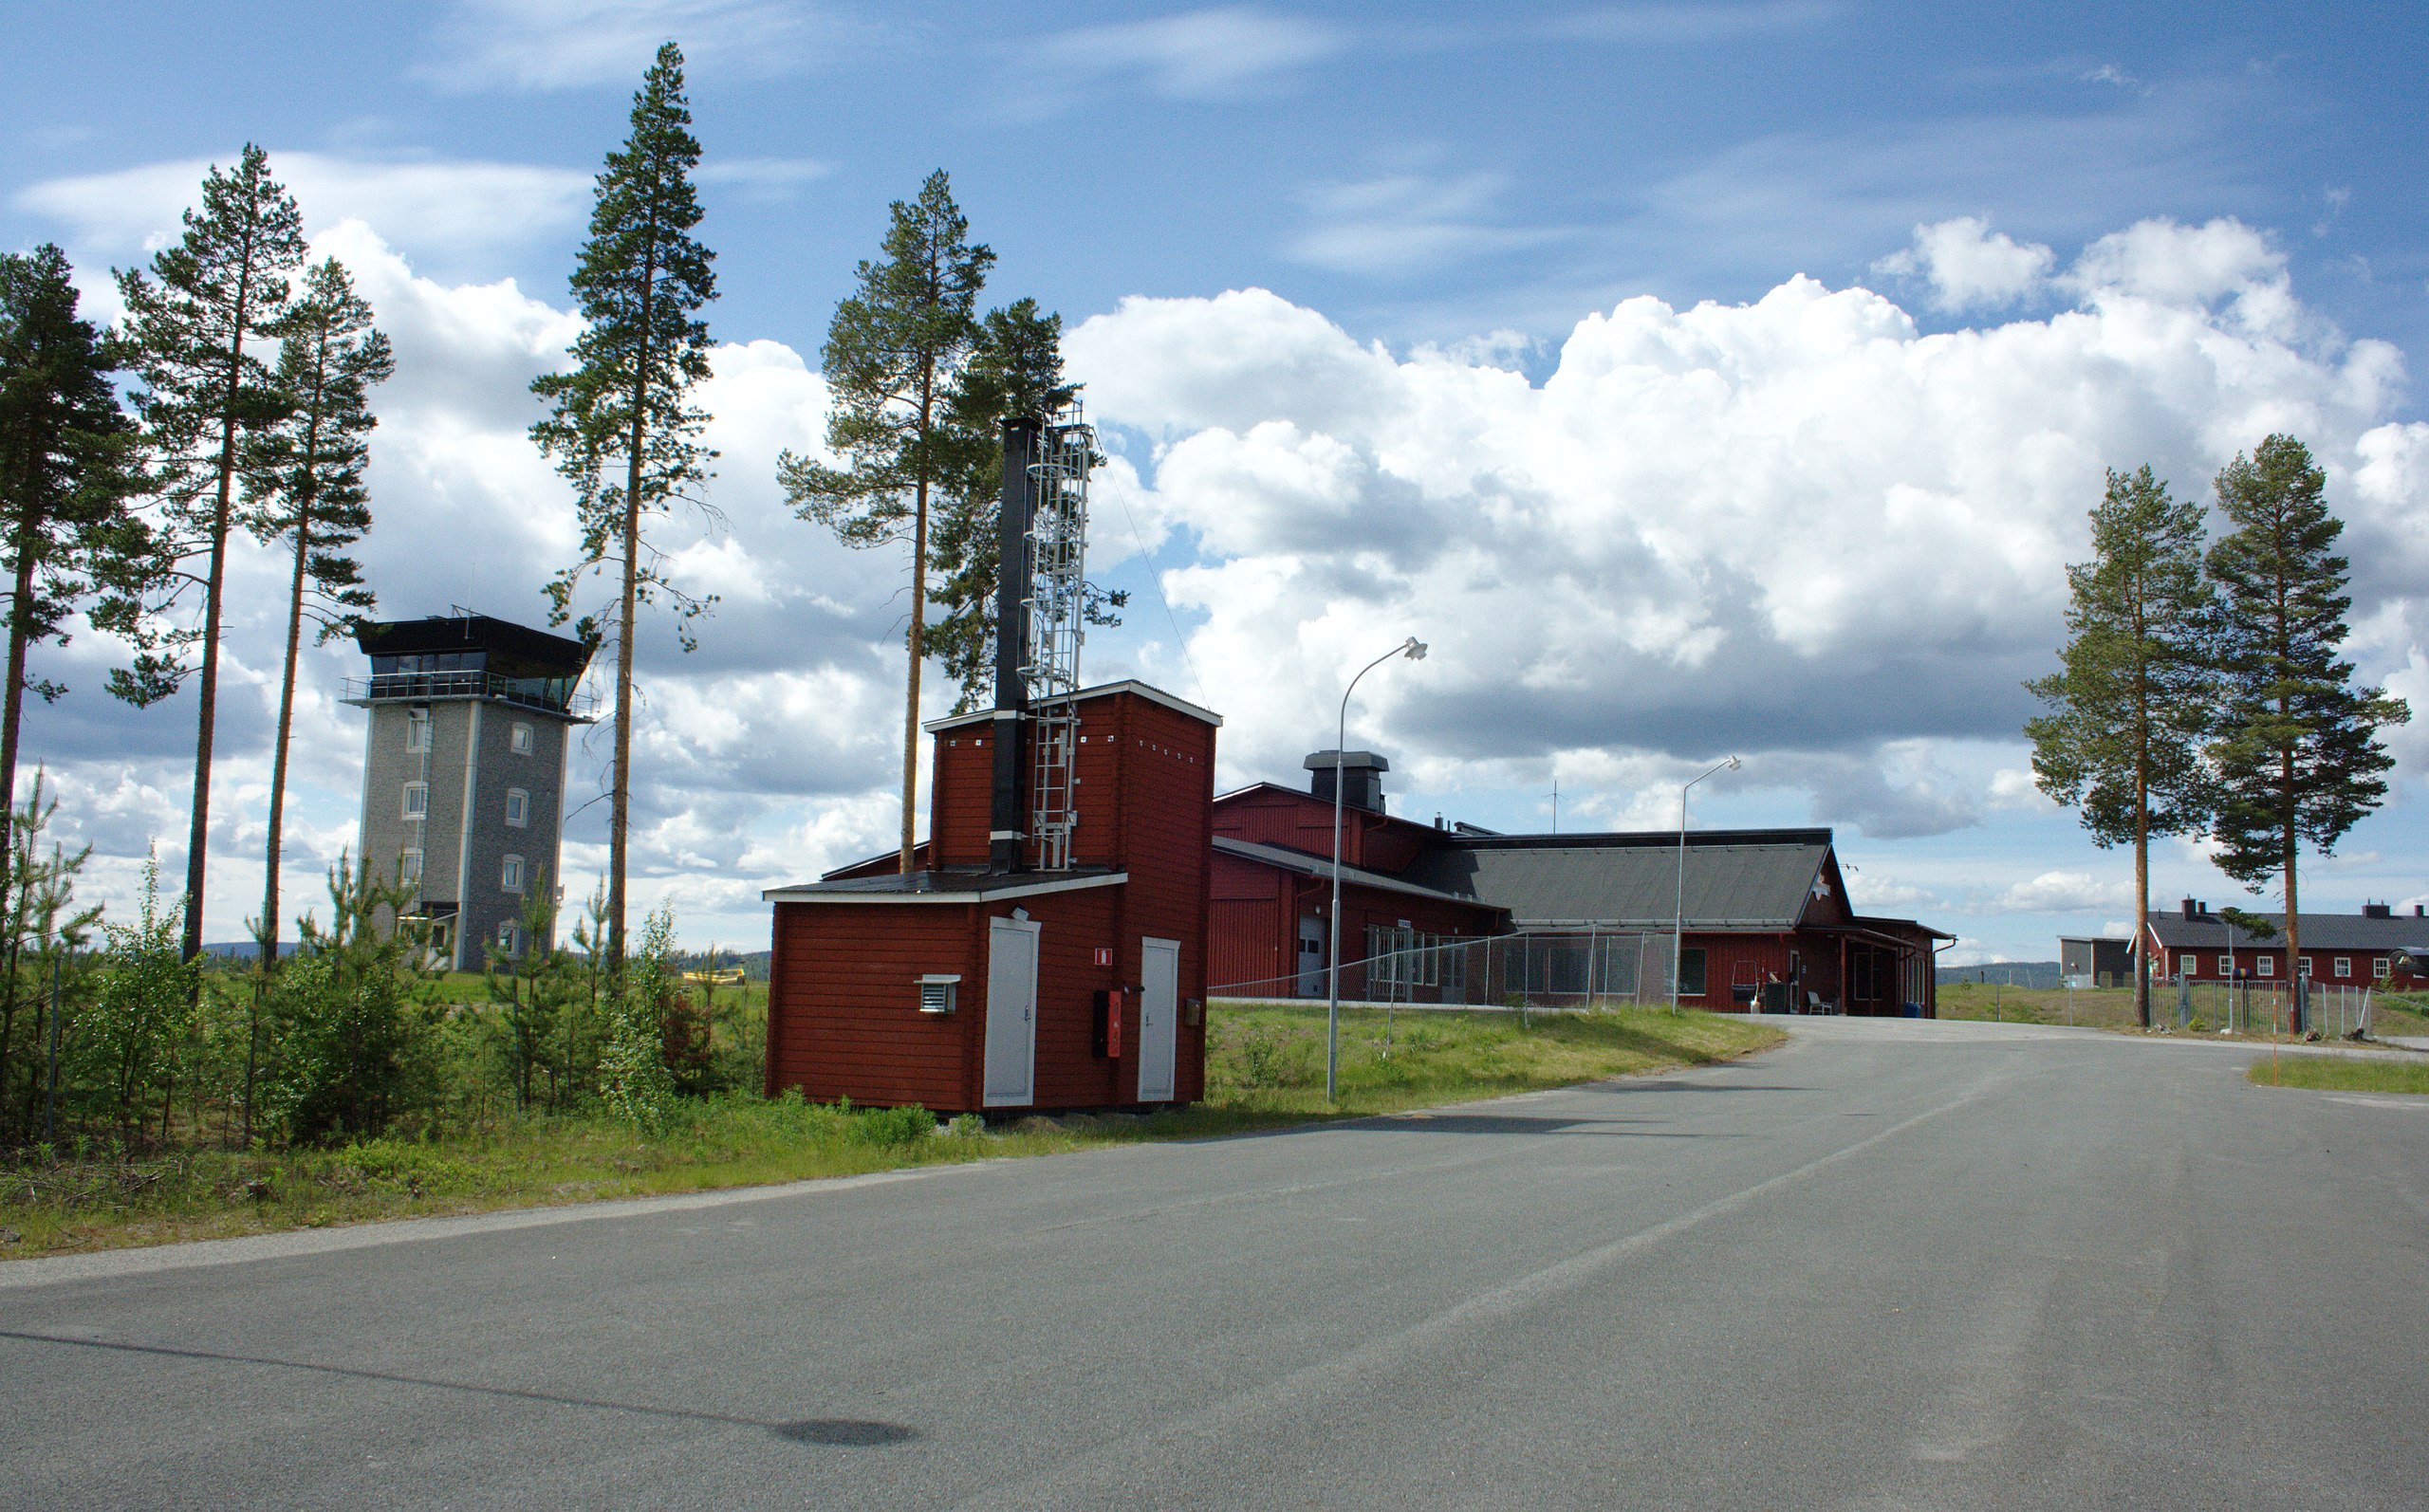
529,692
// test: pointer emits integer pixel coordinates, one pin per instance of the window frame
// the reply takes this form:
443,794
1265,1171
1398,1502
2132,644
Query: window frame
1702,959
410,810
513,876
2266,966
417,724
2345,968
513,819
409,864
522,739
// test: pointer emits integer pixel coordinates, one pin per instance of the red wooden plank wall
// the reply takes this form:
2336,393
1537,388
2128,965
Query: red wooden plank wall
844,1007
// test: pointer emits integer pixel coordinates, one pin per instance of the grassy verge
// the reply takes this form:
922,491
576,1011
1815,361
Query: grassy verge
2340,1074
1265,1070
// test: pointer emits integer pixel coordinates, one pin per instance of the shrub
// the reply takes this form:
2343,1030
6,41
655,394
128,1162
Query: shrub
350,1049
891,1126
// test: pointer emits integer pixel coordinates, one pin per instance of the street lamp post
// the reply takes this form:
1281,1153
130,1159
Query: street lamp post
1414,650
1679,901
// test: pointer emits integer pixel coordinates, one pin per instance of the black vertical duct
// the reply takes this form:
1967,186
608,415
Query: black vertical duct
1008,818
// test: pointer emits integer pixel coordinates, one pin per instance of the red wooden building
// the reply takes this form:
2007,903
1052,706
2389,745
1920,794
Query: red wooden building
969,985
1442,914
2377,947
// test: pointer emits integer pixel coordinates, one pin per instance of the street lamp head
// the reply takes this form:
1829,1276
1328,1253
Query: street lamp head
1415,649
1735,764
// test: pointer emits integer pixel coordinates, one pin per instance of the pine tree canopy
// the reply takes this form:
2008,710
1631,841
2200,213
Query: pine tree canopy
621,426
195,329
304,475
2297,755
892,353
67,464
2133,699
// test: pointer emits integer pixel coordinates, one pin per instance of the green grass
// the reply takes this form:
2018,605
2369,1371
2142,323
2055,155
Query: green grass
2113,1007
1265,1070
2342,1074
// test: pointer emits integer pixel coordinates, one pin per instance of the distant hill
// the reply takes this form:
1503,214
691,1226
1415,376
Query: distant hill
2041,975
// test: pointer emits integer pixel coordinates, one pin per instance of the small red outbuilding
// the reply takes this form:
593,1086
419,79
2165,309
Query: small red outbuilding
968,985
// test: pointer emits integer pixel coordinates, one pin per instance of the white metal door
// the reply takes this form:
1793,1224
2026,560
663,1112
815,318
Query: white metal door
1311,956
1158,1017
1012,1013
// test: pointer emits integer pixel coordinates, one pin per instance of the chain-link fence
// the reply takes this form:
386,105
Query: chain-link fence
1581,969
2264,1007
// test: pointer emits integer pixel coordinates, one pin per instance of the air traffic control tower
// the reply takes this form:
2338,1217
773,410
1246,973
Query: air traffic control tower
463,774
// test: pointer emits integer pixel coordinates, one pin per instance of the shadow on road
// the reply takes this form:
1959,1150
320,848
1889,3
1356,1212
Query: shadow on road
844,1431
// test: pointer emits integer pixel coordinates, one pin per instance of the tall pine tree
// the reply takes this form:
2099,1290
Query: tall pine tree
892,354
2297,754
621,426
304,480
2131,702
196,325
67,476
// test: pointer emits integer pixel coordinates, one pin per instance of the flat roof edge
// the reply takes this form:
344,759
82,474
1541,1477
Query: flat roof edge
818,893
1128,685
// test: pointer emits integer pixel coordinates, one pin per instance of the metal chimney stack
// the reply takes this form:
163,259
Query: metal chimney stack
1007,815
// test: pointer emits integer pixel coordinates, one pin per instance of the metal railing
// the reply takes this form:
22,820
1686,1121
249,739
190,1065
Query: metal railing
529,692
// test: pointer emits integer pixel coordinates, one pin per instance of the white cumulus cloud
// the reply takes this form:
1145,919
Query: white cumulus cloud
2064,892
1971,267
1798,526
463,211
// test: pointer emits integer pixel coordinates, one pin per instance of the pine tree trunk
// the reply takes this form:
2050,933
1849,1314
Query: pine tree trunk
12,703
620,790
207,689
2141,897
917,642
277,801
11,711
2296,987
620,799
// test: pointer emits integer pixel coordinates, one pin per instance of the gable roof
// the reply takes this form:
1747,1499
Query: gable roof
1307,865
2320,932
1733,880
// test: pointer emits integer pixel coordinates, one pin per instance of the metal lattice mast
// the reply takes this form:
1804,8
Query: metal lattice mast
1058,540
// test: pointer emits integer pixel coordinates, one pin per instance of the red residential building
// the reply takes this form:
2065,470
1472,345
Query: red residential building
2377,945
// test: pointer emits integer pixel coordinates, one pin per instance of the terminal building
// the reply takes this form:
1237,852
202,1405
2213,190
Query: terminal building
464,770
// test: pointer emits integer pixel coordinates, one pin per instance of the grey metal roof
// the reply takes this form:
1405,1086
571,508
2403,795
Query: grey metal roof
1741,880
1307,865
2320,932
942,886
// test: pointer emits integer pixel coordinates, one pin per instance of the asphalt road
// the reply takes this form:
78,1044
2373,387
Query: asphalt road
1892,1265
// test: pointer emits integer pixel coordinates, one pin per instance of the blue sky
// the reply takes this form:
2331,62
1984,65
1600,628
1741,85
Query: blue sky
1479,192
